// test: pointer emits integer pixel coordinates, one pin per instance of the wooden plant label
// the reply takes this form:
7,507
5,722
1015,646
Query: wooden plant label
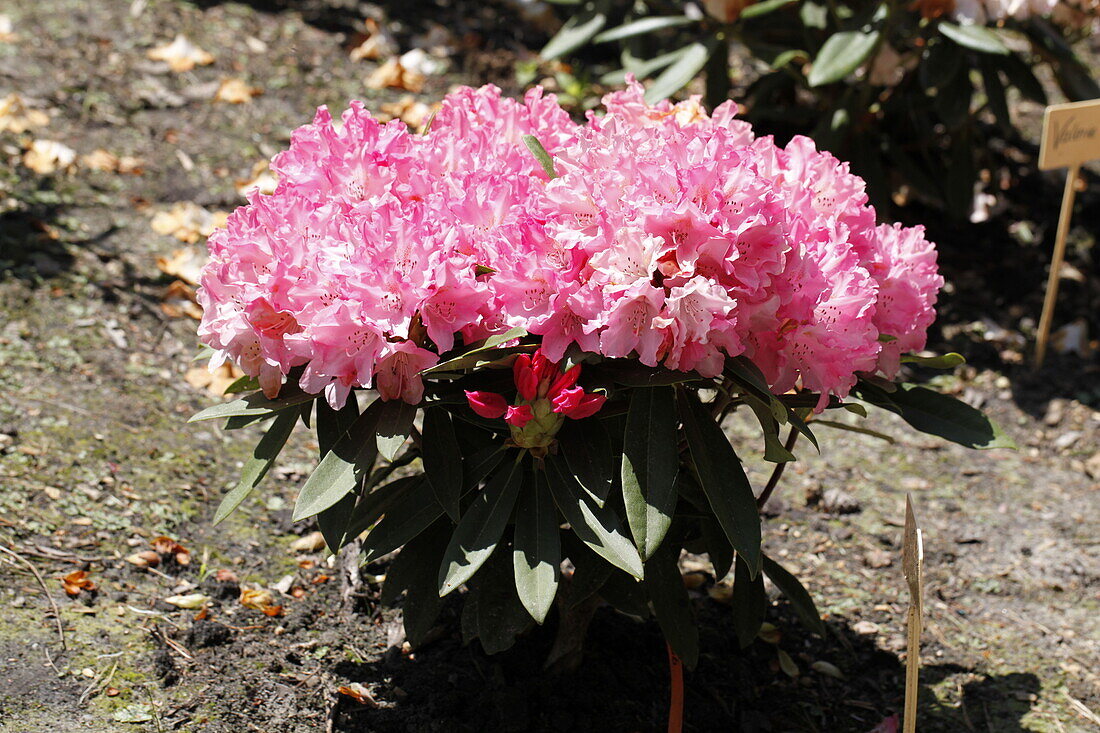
1071,134
912,564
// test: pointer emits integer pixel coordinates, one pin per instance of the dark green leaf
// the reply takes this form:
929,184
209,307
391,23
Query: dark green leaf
641,68
489,351
975,37
676,76
671,605
995,94
1020,74
536,548
855,429
943,361
395,424
598,527
414,571
577,31
625,594
263,456
476,467
500,615
952,103
796,594
255,405
541,155
643,26
442,459
774,450
243,384
481,527
718,547
590,571
938,414
355,513
333,424
587,450
840,55
650,462
342,468
722,478
750,602
408,513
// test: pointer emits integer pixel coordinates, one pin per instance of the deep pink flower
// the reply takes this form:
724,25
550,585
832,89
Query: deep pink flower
518,415
487,404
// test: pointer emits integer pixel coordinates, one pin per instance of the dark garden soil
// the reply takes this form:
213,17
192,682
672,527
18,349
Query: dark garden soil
96,460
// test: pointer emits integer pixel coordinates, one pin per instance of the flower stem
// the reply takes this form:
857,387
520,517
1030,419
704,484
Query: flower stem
676,703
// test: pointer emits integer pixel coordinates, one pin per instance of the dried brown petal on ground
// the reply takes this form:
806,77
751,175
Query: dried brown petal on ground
185,263
188,222
180,55
407,109
215,382
261,179
374,43
358,692
165,546
104,160
393,74
49,156
259,599
144,559
76,582
236,91
16,117
178,301
312,542
190,601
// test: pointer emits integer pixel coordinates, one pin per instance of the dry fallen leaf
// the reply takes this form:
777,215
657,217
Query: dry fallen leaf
7,30
188,222
167,546
261,180
358,692
257,598
373,44
77,581
394,75
236,91
215,382
103,160
49,156
179,301
408,110
185,263
311,542
190,602
181,55
225,576
16,117
144,559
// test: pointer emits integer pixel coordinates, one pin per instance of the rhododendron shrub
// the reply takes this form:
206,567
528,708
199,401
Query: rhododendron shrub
517,338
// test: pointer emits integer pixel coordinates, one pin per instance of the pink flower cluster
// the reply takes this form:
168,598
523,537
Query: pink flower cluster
670,235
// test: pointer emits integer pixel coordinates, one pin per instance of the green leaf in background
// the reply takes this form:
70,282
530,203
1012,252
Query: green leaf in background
414,572
442,459
641,68
649,466
587,450
763,8
855,429
481,527
500,615
774,450
671,605
407,514
257,466
841,55
938,414
676,76
255,405
722,478
489,351
598,527
643,26
1020,74
750,602
395,424
718,547
796,594
590,571
541,155
942,361
995,94
331,426
349,461
975,37
576,32
952,103
536,548
243,384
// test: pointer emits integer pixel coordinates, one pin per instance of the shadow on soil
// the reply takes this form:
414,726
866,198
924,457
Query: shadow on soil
623,685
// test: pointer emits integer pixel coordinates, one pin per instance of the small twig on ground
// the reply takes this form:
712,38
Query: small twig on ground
777,472
98,685
53,604
175,646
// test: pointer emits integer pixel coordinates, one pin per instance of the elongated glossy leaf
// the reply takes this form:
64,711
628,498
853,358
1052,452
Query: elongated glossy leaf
349,461
718,547
476,467
1020,74
395,424
938,414
650,461
500,615
855,429
671,605
333,424
442,459
750,603
750,379
975,37
481,527
599,528
255,405
995,94
488,351
536,548
408,513
676,76
643,26
796,594
358,511
722,479
840,55
774,450
541,155
243,384
763,8
590,571
263,456
626,595
414,572
577,31
587,449
641,68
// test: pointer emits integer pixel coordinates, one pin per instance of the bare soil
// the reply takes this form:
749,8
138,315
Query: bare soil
96,459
